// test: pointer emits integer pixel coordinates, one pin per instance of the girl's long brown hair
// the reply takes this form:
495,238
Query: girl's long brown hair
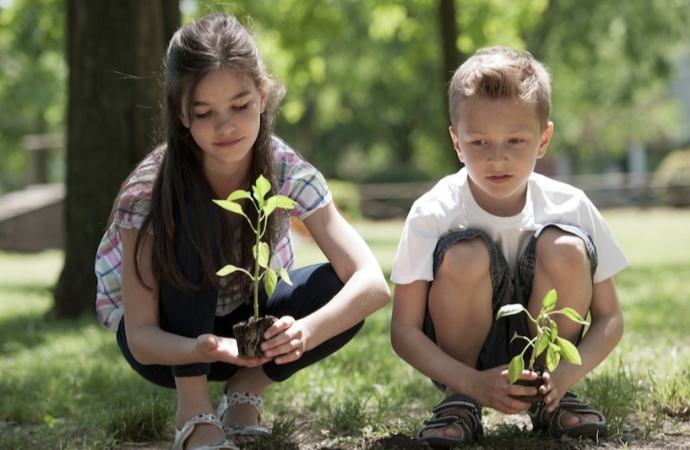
181,189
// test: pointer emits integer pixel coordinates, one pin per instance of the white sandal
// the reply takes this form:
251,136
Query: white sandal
242,398
182,435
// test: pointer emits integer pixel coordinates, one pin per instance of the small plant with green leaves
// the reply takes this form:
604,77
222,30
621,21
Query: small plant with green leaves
546,338
249,334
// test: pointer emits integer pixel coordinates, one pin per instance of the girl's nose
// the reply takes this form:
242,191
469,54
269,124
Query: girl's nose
226,122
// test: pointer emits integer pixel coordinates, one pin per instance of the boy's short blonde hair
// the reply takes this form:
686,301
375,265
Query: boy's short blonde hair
501,72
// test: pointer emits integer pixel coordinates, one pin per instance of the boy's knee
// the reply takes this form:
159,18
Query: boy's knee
559,249
467,259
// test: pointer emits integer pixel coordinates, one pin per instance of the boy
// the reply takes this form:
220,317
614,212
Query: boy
497,233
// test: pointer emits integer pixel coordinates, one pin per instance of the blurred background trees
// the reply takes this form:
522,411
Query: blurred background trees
366,86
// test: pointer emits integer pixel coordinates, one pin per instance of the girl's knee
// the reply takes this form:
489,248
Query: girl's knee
558,249
466,260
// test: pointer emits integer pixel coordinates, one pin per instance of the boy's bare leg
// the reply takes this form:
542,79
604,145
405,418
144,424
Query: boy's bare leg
461,309
562,263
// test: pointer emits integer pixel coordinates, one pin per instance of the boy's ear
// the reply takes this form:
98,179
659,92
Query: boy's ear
456,143
545,139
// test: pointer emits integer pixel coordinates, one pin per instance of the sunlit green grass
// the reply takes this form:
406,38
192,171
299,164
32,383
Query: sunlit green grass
64,385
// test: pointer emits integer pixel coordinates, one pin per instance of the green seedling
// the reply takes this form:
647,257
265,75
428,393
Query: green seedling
264,208
546,339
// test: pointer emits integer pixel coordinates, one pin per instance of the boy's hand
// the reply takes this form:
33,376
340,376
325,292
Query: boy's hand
552,391
214,348
495,391
286,340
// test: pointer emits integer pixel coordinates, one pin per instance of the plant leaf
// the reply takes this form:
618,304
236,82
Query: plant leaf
278,201
573,315
261,188
549,301
284,276
509,310
238,194
553,357
270,282
228,269
541,344
569,351
230,206
262,256
553,334
515,368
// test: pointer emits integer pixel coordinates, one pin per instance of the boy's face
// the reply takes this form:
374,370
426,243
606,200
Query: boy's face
499,141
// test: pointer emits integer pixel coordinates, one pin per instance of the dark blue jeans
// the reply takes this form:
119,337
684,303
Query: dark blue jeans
190,316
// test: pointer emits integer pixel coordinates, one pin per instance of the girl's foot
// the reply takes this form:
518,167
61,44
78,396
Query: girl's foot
241,417
199,431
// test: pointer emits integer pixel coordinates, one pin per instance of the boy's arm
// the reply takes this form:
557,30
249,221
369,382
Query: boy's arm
412,345
603,335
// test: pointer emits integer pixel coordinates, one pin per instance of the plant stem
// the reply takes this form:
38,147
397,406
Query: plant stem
256,266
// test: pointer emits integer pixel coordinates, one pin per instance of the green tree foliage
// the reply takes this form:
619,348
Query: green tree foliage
366,79
610,63
32,80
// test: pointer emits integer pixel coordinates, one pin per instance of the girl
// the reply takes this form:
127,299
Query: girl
156,264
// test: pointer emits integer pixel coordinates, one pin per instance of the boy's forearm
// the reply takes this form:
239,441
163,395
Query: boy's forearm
599,341
417,350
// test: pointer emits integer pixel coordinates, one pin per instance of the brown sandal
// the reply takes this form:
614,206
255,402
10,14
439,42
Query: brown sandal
569,403
470,425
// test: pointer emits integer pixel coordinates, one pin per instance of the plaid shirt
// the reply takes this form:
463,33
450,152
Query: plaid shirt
297,179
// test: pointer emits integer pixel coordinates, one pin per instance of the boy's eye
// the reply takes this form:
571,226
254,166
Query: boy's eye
478,142
515,141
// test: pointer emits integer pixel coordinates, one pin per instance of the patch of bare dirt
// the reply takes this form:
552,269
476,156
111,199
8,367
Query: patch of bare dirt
514,435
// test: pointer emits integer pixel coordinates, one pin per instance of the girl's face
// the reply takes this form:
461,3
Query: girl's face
499,141
225,120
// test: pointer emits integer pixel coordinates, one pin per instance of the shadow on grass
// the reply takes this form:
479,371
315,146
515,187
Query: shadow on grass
22,332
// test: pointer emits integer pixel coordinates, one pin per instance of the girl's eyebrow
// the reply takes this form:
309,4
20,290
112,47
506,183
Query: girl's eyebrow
234,97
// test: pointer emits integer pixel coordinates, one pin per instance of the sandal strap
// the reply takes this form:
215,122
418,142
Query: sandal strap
240,398
569,403
459,401
182,435
470,424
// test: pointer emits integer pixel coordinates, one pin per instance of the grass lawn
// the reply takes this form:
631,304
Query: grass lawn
65,386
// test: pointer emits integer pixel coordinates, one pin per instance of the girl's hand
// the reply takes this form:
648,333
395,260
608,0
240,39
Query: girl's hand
286,340
214,348
493,389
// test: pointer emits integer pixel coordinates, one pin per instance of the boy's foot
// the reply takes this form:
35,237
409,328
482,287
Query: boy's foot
573,417
455,421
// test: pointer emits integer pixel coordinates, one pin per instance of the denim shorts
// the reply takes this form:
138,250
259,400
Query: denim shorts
497,349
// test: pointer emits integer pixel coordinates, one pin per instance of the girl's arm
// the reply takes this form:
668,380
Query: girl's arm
148,343
365,289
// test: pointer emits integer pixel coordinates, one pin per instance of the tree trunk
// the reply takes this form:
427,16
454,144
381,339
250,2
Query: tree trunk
449,37
451,54
115,50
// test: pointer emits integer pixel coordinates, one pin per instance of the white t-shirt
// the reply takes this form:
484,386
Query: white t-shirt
450,206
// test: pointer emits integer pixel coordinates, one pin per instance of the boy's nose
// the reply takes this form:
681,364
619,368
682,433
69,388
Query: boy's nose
497,153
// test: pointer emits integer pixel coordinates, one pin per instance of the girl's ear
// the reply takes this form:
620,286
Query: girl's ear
184,120
263,93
